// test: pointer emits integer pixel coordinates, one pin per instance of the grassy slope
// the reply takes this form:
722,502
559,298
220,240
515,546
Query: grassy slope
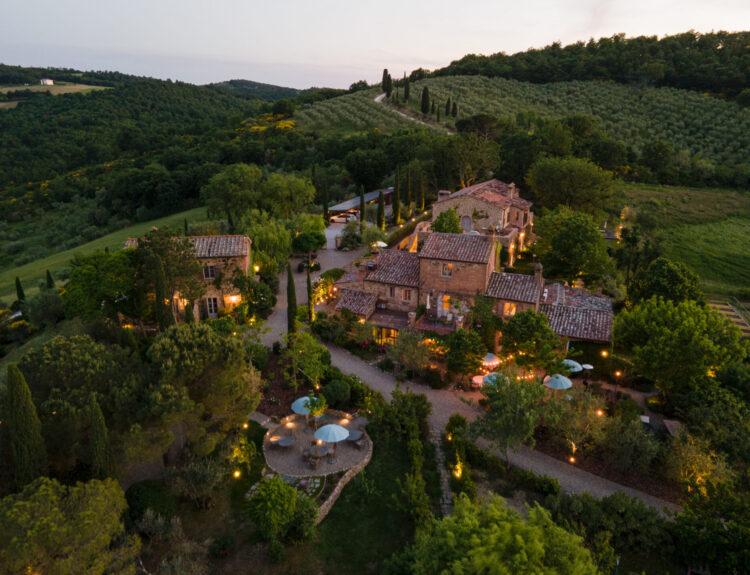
32,272
707,229
58,88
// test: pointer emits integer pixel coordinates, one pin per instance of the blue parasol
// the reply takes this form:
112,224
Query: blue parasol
332,433
558,382
572,365
300,406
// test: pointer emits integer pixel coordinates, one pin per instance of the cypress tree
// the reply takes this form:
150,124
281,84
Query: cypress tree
24,429
230,221
388,86
448,107
432,108
185,226
291,303
454,113
189,313
384,82
20,295
310,298
162,303
127,339
361,210
425,100
396,199
421,192
381,210
438,114
102,462
50,281
407,89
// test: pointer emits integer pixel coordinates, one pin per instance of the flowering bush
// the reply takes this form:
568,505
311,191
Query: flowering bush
222,546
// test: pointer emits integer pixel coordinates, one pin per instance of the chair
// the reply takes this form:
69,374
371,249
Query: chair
360,443
314,462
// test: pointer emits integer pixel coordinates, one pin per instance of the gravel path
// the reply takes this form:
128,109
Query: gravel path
446,403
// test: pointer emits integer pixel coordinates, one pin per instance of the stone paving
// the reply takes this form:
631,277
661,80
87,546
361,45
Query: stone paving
289,461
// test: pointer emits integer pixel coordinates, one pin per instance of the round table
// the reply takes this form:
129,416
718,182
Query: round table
286,441
355,434
319,451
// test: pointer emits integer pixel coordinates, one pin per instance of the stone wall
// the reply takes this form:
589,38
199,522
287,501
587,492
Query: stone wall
398,303
467,278
327,505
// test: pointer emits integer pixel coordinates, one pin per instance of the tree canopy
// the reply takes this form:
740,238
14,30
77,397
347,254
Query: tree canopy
528,337
669,280
572,182
447,222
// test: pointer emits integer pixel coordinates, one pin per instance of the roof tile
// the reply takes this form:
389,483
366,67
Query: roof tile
457,247
396,267
513,287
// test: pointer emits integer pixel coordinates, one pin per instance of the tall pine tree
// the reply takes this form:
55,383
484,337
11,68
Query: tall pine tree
163,300
24,429
50,281
20,294
102,462
454,111
362,210
381,210
425,105
310,298
448,107
291,304
384,82
396,198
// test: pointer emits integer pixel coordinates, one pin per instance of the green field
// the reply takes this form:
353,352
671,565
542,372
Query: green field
56,89
717,129
33,272
706,229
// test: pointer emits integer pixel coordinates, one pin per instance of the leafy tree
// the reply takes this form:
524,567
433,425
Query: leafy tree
286,194
198,479
45,309
381,211
371,235
674,344
64,530
476,157
367,167
272,507
234,190
425,104
163,300
447,222
308,242
625,445
291,303
484,321
713,529
102,462
24,429
691,461
528,337
491,538
570,182
465,352
256,296
20,295
516,408
571,246
666,279
305,357
409,352
580,418
337,393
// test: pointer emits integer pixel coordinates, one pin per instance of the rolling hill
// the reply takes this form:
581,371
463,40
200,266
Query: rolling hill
256,90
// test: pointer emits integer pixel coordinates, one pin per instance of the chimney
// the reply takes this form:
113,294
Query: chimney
443,194
538,274
599,290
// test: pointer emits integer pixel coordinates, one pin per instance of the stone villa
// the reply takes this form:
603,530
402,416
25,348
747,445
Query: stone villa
219,257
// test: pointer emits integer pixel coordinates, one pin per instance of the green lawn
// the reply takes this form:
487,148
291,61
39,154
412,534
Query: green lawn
706,229
33,272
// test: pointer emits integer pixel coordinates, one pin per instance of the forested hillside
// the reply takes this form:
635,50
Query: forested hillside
718,63
256,90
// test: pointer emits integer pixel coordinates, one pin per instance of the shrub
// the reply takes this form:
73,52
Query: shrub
434,378
149,494
272,507
276,348
386,364
464,484
276,551
456,421
337,393
625,445
221,546
627,409
329,329
305,515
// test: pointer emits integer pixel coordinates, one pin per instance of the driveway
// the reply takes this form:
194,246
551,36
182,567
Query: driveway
445,403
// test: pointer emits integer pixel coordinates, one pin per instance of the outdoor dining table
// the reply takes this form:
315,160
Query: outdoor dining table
355,435
286,441
319,451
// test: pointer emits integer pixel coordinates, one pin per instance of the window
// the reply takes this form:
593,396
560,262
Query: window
447,270
209,272
515,216
446,302
406,294
213,306
392,291
509,309
387,335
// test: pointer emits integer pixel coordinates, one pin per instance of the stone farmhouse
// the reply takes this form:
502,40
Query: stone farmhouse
493,208
220,257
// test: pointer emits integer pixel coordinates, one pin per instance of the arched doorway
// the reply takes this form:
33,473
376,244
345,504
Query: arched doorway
466,224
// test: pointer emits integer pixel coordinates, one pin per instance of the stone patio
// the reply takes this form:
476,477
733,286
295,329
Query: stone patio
289,461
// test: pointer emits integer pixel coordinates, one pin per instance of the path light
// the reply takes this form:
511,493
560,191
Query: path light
457,470
244,426
256,268
572,459
599,412
237,474
605,353
618,373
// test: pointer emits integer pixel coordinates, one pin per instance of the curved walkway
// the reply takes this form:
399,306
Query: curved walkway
445,403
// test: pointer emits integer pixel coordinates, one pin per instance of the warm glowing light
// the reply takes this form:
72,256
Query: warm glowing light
256,268
599,412
572,459
605,353
618,374
237,474
361,320
449,436
320,442
335,288
457,471
244,426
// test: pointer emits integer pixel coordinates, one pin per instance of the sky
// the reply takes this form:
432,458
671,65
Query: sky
303,43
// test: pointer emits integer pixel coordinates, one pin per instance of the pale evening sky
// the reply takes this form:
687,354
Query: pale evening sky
302,43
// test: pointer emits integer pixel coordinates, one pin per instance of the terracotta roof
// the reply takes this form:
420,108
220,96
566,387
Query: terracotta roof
356,301
493,192
211,246
396,267
579,323
390,319
220,246
513,287
457,247
556,293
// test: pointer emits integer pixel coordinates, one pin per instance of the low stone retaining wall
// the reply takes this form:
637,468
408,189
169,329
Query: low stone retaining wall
327,505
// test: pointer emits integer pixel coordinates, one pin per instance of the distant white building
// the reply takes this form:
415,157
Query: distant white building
47,82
